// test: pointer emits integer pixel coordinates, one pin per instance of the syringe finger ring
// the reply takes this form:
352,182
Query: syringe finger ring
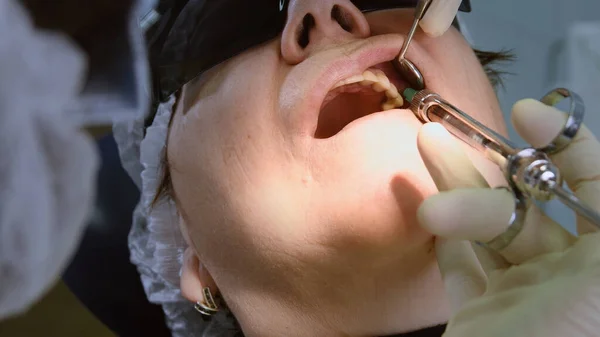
573,122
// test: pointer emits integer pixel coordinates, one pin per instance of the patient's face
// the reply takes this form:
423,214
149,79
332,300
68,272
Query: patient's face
285,198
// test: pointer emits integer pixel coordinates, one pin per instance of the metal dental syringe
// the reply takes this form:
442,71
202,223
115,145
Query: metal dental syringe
530,171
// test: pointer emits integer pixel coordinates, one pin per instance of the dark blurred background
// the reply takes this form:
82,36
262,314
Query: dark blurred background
100,293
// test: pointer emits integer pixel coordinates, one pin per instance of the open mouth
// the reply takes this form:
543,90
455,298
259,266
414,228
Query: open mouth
377,89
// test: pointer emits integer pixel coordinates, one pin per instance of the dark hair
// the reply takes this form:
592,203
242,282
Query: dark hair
489,60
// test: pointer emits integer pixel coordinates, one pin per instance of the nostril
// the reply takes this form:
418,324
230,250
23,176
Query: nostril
308,23
342,17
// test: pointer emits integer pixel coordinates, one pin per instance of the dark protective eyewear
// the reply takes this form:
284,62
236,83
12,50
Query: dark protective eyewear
193,36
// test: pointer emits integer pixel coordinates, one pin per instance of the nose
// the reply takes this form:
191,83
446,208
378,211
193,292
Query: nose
314,25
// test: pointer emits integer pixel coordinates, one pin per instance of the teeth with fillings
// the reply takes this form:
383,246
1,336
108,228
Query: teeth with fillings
378,81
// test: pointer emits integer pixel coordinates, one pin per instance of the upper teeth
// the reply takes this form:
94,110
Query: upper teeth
378,81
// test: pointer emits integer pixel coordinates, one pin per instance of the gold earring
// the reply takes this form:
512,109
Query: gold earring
207,306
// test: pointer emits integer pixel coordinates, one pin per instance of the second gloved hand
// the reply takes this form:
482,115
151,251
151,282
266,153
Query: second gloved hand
439,17
546,282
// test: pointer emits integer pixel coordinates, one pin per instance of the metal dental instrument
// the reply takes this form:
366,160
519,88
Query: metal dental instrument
404,66
530,172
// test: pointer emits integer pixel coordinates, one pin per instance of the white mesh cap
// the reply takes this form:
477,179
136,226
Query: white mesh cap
155,242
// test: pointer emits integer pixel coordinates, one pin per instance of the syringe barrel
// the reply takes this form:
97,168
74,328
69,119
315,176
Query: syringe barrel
430,107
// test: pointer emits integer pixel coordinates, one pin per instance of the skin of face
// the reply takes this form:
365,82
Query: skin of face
316,237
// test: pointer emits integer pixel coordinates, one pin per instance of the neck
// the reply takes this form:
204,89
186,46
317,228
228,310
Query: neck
389,305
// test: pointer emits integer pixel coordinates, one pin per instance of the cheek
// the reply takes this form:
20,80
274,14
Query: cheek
239,131
463,81
241,159
371,181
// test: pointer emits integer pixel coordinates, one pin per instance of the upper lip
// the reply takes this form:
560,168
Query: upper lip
353,59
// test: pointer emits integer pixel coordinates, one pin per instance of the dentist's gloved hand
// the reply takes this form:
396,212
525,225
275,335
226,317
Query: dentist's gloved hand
546,282
439,17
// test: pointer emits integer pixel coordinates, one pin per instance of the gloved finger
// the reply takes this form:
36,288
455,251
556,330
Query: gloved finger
451,169
463,275
474,214
483,214
460,267
439,17
477,214
446,161
579,163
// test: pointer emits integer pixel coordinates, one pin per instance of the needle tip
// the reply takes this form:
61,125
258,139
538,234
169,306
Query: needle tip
409,94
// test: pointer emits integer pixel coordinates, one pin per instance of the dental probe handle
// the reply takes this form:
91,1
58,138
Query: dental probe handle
420,10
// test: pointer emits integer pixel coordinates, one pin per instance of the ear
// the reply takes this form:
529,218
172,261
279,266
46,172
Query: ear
194,278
